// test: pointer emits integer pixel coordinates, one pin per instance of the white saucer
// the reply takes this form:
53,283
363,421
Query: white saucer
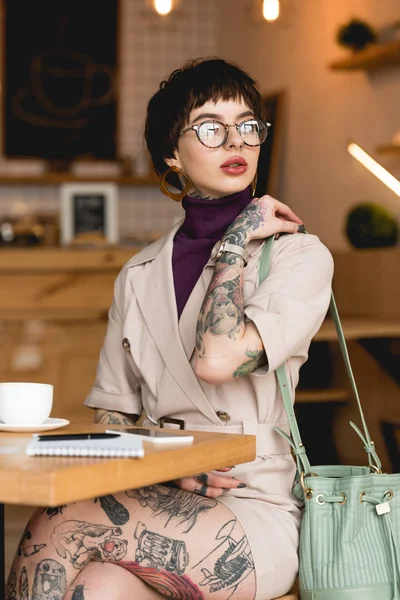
48,424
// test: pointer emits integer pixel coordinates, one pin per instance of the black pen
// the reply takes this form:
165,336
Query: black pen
76,436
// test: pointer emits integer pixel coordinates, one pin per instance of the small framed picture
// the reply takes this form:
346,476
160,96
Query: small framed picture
89,213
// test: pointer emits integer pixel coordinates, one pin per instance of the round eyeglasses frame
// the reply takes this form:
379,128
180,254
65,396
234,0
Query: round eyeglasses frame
226,126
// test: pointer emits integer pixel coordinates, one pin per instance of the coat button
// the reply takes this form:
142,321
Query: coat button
223,416
126,344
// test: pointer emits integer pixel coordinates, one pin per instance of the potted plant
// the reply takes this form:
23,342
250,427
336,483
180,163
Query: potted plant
370,225
356,34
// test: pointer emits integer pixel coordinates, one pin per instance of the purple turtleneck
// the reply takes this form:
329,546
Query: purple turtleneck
205,223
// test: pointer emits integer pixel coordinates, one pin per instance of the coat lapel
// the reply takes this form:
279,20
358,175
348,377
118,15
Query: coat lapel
153,286
190,313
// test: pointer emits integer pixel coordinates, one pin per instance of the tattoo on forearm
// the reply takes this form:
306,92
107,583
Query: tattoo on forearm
116,512
23,585
222,311
50,580
173,503
234,564
53,511
258,359
249,219
114,418
80,542
78,593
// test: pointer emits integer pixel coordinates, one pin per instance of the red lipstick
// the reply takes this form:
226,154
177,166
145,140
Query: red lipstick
235,165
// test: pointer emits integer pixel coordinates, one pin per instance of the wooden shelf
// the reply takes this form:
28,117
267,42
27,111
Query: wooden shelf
59,178
374,56
389,149
323,395
39,260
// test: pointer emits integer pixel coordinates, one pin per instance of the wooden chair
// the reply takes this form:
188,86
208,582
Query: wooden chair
391,434
319,405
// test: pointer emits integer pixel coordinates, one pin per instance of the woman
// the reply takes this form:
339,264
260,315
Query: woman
192,337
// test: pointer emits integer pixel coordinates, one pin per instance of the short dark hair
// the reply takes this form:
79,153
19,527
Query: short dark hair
196,83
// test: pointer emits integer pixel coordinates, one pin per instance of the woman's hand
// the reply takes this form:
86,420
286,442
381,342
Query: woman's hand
260,219
209,484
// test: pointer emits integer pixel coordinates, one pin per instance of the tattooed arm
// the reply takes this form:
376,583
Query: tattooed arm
227,347
112,417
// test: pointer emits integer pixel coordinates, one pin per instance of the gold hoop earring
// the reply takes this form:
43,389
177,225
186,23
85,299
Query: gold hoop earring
178,197
254,185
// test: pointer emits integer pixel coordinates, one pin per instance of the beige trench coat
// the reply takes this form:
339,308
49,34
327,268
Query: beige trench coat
147,362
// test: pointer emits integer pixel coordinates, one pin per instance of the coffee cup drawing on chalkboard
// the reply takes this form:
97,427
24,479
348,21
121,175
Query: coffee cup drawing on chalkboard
63,85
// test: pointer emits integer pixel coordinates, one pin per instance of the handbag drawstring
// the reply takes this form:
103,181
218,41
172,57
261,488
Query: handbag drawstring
394,550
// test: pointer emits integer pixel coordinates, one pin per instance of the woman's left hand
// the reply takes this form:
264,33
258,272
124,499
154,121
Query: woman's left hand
261,218
209,485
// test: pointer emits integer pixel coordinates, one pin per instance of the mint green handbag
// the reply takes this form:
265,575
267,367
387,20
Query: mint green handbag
350,531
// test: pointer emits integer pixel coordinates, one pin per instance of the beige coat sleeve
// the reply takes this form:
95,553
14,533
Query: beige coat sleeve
289,306
116,387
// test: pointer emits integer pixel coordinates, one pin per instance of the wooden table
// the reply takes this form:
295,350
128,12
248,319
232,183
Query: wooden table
356,329
51,481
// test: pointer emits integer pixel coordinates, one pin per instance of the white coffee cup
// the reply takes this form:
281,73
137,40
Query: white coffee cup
25,403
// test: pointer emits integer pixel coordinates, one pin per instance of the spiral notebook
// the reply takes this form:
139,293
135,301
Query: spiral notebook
122,446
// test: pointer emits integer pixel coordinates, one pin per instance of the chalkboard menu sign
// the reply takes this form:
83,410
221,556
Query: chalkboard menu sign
89,213
88,208
60,100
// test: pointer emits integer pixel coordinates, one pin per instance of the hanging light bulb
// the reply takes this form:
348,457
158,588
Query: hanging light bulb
163,7
271,10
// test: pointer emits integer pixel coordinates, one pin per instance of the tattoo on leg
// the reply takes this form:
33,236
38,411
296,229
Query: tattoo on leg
29,550
171,585
23,585
116,512
52,512
11,587
232,566
173,503
160,552
80,542
161,562
25,536
50,581
78,593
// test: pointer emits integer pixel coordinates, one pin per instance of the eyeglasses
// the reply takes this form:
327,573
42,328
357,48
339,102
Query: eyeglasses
214,134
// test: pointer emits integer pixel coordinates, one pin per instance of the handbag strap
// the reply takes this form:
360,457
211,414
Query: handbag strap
295,441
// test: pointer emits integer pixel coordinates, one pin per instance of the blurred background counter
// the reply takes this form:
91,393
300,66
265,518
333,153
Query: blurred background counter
53,313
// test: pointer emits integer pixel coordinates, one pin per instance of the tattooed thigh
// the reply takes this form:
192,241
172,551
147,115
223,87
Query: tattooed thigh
183,545
199,552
